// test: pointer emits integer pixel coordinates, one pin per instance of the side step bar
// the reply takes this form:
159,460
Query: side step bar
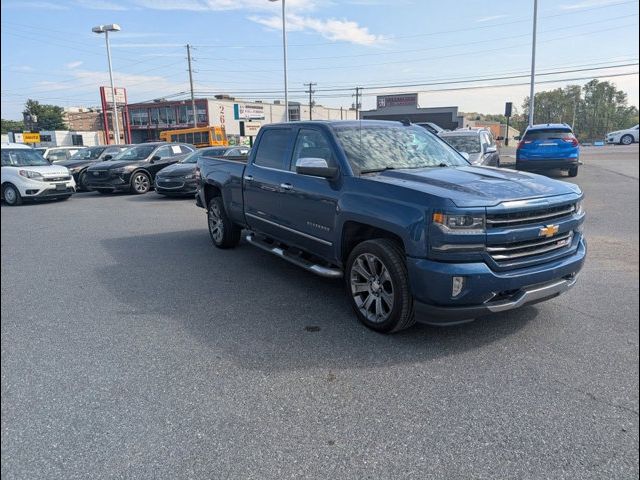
295,259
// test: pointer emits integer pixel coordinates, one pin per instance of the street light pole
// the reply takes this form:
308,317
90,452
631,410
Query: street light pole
106,29
284,54
532,98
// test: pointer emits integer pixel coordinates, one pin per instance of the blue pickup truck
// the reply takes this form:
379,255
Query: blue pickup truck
417,233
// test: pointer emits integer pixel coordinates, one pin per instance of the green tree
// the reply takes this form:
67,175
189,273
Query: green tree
49,116
11,125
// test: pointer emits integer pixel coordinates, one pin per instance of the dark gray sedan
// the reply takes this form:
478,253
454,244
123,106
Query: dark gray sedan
478,145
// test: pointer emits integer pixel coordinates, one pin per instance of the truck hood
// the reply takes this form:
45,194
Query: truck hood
476,186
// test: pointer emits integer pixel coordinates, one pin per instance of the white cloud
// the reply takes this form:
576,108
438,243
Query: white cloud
100,5
333,29
35,6
75,64
490,18
586,4
21,68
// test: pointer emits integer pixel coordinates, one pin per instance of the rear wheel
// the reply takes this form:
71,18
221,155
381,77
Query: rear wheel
626,140
573,171
223,232
11,195
140,183
378,285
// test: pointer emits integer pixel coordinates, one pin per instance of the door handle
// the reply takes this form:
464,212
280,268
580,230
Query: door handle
248,178
286,186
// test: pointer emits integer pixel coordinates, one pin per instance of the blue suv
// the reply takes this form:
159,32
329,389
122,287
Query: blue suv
550,146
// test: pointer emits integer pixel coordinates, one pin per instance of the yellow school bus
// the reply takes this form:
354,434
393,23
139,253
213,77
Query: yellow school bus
200,137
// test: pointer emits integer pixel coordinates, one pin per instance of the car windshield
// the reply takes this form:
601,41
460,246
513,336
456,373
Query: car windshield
463,143
87,153
22,157
377,148
192,157
140,152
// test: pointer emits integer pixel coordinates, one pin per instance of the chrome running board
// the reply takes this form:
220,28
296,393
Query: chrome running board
295,259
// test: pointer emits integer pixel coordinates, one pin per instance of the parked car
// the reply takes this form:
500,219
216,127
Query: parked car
59,154
26,175
624,137
135,168
432,127
179,179
80,160
478,145
550,146
416,232
40,150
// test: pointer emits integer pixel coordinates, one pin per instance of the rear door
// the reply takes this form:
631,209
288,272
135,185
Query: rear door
264,178
549,143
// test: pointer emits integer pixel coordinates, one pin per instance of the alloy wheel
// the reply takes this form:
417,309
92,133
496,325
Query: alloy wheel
216,227
141,183
372,288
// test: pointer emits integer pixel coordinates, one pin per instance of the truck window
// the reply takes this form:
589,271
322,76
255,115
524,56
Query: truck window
311,143
272,148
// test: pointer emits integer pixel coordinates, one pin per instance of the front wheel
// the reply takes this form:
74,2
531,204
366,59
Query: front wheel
626,140
223,232
140,183
377,283
11,195
573,172
82,181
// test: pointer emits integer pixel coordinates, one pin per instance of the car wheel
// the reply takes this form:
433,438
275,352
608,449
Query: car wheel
378,286
82,181
223,232
11,195
573,172
626,140
140,183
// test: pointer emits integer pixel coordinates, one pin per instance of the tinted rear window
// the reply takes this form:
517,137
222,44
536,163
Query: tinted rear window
548,134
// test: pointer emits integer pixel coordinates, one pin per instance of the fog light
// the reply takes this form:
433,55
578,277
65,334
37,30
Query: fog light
457,286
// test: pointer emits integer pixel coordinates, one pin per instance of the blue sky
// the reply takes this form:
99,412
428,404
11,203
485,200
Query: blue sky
50,54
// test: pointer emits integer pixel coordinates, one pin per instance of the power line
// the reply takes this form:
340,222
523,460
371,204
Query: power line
310,91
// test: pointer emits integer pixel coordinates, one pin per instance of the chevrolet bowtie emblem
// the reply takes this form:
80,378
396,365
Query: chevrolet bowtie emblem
548,231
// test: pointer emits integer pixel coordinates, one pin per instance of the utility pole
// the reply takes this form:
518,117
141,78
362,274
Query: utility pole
193,100
358,94
310,92
532,94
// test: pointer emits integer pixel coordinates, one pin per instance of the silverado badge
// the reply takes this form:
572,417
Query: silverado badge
548,231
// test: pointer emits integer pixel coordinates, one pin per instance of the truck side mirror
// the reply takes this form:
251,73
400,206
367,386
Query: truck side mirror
315,167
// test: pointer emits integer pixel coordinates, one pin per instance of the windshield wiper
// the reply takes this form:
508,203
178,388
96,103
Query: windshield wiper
375,170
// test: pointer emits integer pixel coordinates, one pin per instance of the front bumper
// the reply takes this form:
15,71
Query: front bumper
32,189
117,183
177,186
486,291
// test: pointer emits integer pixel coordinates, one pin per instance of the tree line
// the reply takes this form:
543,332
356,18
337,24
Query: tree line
592,110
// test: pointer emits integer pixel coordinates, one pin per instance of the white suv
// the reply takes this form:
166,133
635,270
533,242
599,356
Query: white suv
26,175
624,137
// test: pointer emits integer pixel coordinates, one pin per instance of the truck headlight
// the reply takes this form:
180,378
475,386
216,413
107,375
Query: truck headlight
578,207
31,174
468,223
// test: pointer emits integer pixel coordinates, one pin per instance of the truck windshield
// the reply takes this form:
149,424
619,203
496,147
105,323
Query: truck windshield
376,148
22,157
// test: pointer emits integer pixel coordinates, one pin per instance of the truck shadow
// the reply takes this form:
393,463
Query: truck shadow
267,314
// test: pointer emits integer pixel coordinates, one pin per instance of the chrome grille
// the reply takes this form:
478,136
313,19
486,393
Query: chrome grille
529,248
516,219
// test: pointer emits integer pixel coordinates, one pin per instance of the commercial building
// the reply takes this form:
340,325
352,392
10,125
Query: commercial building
149,119
406,107
498,130
92,119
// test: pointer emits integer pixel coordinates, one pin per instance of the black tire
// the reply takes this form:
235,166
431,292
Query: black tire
82,181
367,282
573,171
626,140
140,183
223,232
14,198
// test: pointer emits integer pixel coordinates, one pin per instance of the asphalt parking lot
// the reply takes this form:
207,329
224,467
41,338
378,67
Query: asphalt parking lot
132,348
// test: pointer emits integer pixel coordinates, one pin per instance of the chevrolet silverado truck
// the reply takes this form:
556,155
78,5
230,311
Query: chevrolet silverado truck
417,233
